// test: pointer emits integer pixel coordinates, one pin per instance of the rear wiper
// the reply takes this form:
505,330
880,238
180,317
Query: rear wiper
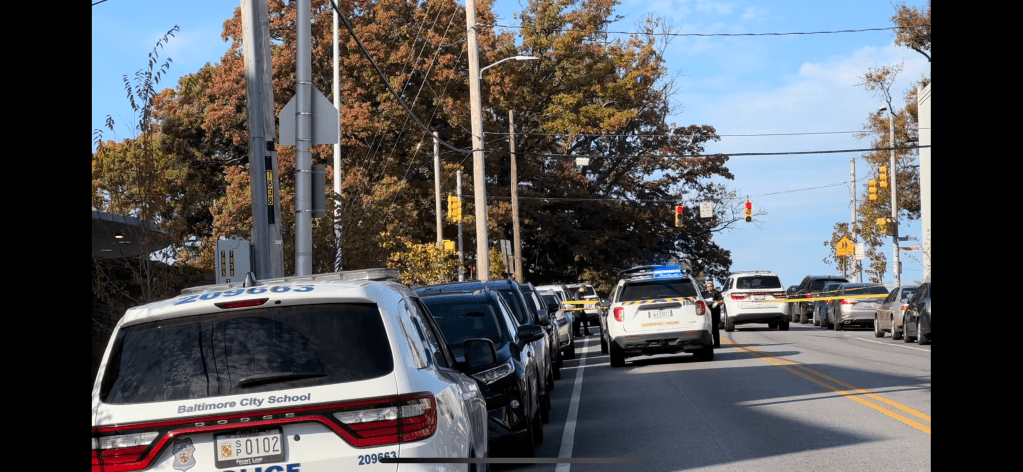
260,379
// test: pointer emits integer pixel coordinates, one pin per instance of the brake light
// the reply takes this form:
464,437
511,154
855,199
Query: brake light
121,452
413,418
619,314
779,295
241,303
702,308
904,307
848,301
736,296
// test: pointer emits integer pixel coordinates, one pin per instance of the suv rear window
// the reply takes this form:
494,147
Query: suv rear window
246,352
657,289
818,284
758,282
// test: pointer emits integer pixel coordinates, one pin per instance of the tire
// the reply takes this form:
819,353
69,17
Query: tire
603,344
705,354
783,326
816,318
803,318
729,325
524,448
906,338
878,332
617,356
570,354
537,429
557,373
896,334
772,325
545,408
921,338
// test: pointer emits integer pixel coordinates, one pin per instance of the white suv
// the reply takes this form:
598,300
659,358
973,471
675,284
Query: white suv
657,310
754,297
309,373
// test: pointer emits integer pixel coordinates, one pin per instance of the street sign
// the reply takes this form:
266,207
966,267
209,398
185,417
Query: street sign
859,256
706,209
844,247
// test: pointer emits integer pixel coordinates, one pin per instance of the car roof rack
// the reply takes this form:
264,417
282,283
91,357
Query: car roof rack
652,271
381,274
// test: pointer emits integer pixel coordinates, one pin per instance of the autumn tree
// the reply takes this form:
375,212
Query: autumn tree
914,28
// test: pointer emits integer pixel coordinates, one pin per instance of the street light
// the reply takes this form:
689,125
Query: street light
479,176
895,203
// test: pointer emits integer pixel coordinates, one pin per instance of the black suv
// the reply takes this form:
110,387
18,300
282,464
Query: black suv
810,288
479,325
512,294
535,300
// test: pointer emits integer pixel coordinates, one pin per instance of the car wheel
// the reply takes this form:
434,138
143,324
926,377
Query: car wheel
705,354
545,408
537,429
729,324
803,318
878,332
603,344
816,318
906,338
772,325
838,326
896,334
617,356
783,326
921,338
524,448
570,354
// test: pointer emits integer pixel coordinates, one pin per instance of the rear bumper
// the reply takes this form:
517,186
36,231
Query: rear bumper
664,342
771,317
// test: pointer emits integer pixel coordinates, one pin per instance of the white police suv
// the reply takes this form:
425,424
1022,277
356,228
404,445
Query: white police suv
754,297
328,372
657,310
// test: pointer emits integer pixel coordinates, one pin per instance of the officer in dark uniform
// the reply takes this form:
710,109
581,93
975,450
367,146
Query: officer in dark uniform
582,319
715,311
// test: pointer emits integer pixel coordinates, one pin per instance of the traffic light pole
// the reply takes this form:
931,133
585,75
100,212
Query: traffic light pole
896,269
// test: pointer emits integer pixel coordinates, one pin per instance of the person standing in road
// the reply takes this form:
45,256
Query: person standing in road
582,319
715,311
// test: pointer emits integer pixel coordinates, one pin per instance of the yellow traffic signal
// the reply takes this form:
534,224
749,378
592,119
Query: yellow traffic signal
882,223
872,189
678,216
882,176
454,209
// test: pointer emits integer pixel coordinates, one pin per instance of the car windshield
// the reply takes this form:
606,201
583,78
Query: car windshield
246,352
657,289
758,282
516,304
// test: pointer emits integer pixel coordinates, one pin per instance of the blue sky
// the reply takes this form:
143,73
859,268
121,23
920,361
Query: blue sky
742,85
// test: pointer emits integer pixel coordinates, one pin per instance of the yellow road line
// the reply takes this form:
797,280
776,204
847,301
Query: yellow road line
857,396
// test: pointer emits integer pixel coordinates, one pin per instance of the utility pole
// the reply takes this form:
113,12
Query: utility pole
852,220
897,267
436,187
338,223
479,180
461,252
268,247
515,198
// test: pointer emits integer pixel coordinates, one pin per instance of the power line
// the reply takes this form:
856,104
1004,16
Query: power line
731,34
724,154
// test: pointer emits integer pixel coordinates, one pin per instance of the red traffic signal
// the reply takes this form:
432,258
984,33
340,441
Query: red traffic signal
678,216
679,209
749,211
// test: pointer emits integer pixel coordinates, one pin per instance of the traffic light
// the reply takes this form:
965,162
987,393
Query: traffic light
882,177
882,223
678,216
454,209
749,211
872,189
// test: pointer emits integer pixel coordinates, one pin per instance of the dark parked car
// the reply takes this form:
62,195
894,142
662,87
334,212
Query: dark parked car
492,348
810,288
820,307
566,342
512,294
535,300
916,321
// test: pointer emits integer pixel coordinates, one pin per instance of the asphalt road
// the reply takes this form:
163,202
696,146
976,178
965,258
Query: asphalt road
802,399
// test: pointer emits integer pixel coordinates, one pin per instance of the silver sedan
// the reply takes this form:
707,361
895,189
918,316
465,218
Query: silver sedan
888,318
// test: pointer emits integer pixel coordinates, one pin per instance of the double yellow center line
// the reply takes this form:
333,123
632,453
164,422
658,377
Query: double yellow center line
849,391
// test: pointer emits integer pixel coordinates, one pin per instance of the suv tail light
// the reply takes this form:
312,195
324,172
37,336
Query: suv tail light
738,296
412,418
701,308
371,422
619,313
848,301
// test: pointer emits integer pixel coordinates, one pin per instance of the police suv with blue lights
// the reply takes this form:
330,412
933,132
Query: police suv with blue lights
327,372
657,310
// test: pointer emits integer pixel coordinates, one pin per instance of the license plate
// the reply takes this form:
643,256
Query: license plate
659,314
259,446
758,297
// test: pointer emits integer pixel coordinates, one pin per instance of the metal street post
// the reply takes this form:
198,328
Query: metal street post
517,267
895,203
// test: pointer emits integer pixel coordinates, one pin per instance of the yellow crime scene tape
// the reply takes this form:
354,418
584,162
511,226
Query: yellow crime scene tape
587,305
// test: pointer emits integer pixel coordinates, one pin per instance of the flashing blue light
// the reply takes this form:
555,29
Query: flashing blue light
667,271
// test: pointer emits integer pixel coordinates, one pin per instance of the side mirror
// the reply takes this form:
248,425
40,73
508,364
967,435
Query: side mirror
479,353
530,332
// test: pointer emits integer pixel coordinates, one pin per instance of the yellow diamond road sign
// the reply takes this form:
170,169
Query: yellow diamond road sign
844,247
